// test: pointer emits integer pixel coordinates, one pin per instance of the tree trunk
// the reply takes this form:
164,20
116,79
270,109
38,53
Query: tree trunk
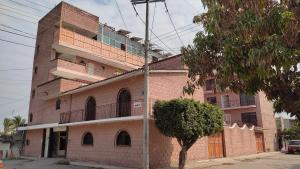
182,157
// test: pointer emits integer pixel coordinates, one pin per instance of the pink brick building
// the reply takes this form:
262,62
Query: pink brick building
87,99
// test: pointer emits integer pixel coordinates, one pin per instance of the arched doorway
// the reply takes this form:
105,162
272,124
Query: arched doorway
124,103
90,109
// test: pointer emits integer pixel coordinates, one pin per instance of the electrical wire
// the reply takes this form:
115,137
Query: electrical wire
18,18
37,4
18,12
121,14
16,43
13,69
167,11
137,14
26,6
16,34
7,26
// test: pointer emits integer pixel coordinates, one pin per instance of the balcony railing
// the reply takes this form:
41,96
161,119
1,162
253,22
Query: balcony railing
99,50
107,111
237,103
228,121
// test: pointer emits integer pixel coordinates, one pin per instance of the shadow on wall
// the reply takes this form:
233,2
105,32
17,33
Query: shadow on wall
161,148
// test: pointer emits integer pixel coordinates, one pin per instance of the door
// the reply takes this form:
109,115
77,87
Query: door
215,146
90,68
259,142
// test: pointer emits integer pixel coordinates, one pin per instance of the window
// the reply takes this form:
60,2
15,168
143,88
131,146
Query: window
35,69
32,93
58,102
212,100
90,109
124,103
123,47
123,139
246,100
225,101
27,142
87,139
210,84
249,118
30,117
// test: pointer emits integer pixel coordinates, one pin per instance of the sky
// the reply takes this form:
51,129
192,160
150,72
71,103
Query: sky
16,60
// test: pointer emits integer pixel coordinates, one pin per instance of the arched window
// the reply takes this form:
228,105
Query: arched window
87,139
123,139
57,105
90,109
124,103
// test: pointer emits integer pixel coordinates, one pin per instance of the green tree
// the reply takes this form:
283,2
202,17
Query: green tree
187,121
7,126
249,46
18,121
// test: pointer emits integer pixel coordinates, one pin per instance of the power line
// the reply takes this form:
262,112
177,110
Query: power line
137,14
121,14
17,9
17,29
167,11
26,5
17,43
174,34
13,69
37,4
17,12
182,33
18,18
16,34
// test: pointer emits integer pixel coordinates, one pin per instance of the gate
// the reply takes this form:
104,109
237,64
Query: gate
259,142
215,146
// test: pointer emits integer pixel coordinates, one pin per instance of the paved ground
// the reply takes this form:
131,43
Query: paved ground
260,161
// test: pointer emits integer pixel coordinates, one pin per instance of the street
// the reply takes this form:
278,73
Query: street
257,161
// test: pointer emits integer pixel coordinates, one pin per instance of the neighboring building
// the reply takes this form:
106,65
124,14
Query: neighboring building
87,99
285,123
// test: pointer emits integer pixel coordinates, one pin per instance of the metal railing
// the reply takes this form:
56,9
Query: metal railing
106,111
237,103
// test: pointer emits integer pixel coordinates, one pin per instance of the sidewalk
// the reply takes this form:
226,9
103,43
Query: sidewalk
223,161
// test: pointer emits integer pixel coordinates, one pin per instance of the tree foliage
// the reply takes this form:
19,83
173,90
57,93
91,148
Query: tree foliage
11,124
187,120
249,46
293,132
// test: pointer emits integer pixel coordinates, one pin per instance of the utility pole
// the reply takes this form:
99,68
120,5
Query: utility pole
146,84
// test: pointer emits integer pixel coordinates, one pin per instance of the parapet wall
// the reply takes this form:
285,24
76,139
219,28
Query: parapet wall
239,140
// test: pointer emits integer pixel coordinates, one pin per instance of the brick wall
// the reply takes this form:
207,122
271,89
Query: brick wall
172,63
164,151
35,138
239,141
104,151
268,122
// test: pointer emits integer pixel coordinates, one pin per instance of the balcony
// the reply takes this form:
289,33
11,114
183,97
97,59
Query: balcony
238,104
54,88
106,111
70,70
66,41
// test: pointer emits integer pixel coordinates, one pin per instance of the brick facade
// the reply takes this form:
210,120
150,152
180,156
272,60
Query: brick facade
65,47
